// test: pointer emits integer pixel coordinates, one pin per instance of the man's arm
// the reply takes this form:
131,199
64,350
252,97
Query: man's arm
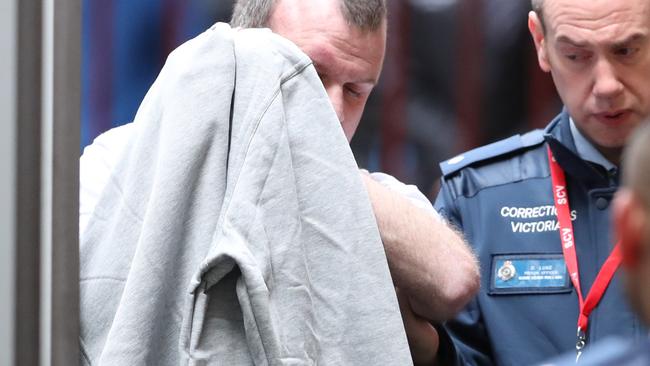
430,263
423,338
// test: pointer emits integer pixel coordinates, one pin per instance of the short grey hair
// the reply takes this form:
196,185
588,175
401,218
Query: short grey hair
251,13
538,7
366,15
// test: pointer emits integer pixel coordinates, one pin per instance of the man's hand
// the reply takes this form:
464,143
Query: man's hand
422,336
429,262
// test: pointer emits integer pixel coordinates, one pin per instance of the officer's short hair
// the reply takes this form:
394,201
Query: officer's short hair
367,15
538,7
636,164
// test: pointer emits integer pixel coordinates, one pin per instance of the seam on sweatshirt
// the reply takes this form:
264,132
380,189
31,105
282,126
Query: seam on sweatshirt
283,79
125,204
83,352
296,70
106,278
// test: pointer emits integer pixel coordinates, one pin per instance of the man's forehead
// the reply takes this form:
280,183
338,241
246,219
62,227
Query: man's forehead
358,70
595,13
623,39
305,12
329,40
583,23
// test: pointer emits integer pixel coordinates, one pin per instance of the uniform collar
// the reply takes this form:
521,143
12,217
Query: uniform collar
587,151
560,139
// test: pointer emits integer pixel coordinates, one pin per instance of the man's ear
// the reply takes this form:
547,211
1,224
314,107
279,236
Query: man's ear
629,221
536,29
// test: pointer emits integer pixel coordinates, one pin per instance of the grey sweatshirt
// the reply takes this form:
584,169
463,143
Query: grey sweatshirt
235,228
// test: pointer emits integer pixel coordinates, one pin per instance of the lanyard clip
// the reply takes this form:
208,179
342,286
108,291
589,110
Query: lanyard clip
580,343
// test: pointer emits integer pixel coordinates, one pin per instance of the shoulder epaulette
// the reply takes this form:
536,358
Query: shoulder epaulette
493,150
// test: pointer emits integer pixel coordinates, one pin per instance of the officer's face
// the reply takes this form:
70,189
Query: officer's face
347,59
598,52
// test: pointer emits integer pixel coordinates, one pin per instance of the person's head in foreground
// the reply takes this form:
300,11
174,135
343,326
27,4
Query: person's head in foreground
598,54
345,39
632,221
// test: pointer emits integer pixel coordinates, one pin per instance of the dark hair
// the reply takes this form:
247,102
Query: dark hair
364,14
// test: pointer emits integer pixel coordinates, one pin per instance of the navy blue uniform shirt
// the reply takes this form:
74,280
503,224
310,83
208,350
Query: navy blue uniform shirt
612,351
500,197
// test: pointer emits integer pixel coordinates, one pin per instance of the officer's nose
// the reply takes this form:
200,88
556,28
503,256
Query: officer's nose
607,85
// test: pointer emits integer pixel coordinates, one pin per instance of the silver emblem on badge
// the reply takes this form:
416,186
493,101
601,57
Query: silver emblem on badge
507,271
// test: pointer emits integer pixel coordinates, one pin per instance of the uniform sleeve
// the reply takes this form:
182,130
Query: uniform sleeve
445,205
463,340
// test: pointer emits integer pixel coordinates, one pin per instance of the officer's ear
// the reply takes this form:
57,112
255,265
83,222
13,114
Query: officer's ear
629,225
536,29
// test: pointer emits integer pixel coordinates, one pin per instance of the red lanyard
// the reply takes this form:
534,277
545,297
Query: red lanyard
608,269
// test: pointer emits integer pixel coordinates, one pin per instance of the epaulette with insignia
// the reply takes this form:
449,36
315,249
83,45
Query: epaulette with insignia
495,149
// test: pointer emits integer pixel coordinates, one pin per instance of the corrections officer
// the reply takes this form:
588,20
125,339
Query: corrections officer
632,226
536,207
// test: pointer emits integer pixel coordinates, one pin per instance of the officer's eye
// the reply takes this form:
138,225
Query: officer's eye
577,56
625,51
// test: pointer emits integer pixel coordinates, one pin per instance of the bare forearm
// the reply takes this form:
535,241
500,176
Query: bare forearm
428,260
422,336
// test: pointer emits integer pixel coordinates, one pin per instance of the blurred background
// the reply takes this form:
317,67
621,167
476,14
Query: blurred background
458,74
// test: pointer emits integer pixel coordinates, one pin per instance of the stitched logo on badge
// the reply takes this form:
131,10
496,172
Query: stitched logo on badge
529,273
